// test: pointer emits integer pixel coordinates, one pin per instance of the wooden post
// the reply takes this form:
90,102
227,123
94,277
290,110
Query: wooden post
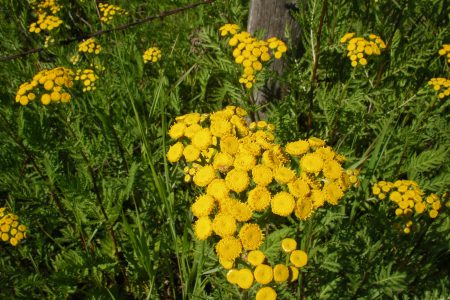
273,17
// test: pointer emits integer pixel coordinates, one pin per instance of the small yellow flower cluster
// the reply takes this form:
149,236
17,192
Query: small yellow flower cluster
445,50
441,85
88,79
108,11
51,84
245,173
48,41
250,52
10,229
89,46
265,274
352,175
408,199
75,59
358,47
45,11
152,54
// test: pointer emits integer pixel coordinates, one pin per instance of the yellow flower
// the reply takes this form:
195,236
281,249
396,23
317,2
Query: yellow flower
191,153
244,161
280,273
175,152
256,257
251,236
220,127
263,274
283,204
288,245
283,175
204,175
333,192
224,225
244,279
203,228
203,206
152,54
218,189
311,163
223,162
262,175
228,248
202,139
259,198
233,276
297,148
229,144
316,142
318,198
294,273
298,258
240,211
226,264
299,188
332,170
237,180
191,130
303,208
433,213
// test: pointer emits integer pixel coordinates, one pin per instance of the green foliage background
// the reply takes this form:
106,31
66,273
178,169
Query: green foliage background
90,177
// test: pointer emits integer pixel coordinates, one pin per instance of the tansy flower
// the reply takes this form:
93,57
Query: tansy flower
293,273
189,119
317,198
191,130
263,274
316,142
152,54
218,189
244,161
220,127
259,198
298,258
299,188
282,204
203,228
288,245
266,293
224,225
202,139
228,248
256,257
262,175
240,211
229,144
333,192
204,175
203,206
175,152
303,208
191,153
237,180
280,273
311,163
283,175
244,279
233,276
251,236
332,170
223,162
226,264
297,148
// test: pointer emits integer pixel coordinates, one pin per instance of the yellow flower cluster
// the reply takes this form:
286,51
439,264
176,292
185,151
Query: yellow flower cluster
264,273
45,11
445,50
51,85
358,47
10,228
75,59
244,172
108,11
441,85
408,200
48,41
88,79
250,52
89,46
152,54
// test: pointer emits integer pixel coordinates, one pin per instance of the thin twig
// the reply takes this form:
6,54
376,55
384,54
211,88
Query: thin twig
100,32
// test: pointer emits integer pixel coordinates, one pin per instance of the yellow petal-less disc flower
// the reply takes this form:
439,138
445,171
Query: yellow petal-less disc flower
240,211
297,148
262,175
251,236
176,131
263,274
203,206
293,273
237,180
202,139
203,228
311,163
218,189
282,204
280,273
298,258
283,175
191,153
229,144
233,276
175,152
226,264
266,293
245,279
223,162
244,161
288,245
228,248
259,198
204,175
299,188
332,170
220,127
256,257
303,208
224,225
